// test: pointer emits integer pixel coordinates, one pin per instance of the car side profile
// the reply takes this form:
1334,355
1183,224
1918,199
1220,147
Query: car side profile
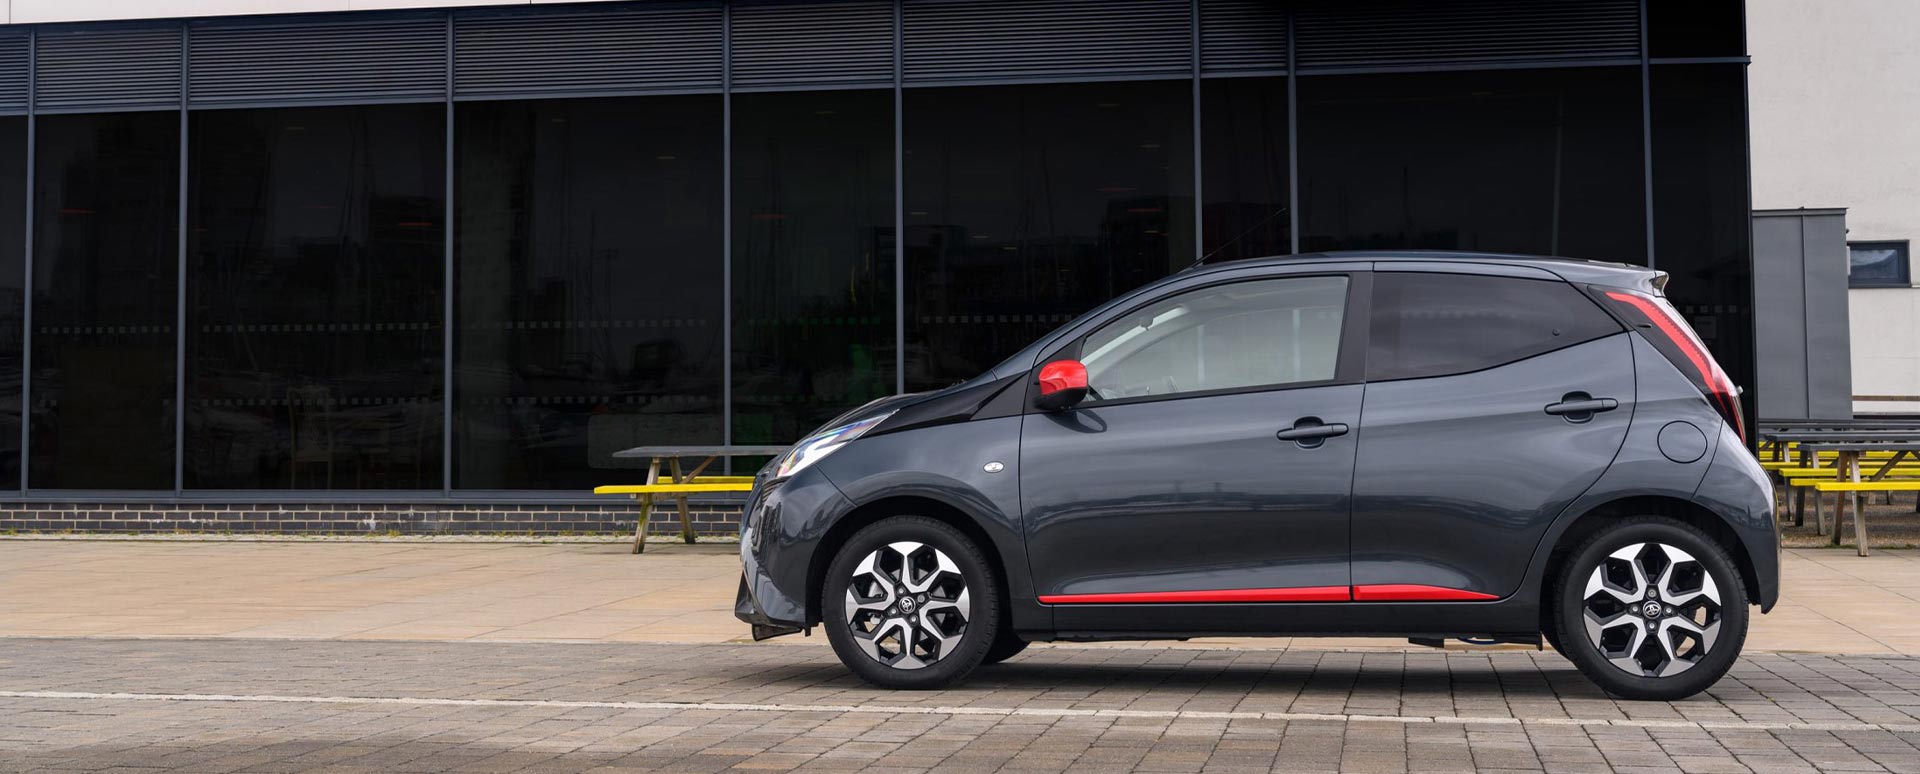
1408,444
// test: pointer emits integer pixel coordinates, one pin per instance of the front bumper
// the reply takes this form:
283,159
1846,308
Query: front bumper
764,628
781,527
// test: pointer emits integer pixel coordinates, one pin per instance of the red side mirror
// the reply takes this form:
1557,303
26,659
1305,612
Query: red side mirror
1063,384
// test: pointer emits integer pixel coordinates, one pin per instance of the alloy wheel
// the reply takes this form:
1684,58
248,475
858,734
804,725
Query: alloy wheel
907,605
1651,610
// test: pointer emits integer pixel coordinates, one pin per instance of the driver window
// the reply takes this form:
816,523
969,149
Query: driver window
1245,334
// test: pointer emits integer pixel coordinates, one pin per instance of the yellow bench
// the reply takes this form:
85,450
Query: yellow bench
1854,488
645,493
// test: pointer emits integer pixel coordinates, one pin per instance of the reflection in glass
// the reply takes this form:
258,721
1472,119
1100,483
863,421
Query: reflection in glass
315,264
813,259
1226,337
1245,158
1028,205
588,255
1878,263
13,192
1545,162
106,263
1702,217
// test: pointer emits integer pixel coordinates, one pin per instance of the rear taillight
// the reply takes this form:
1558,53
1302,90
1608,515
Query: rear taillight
1675,339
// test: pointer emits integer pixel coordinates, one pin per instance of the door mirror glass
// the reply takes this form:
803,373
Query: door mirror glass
1063,384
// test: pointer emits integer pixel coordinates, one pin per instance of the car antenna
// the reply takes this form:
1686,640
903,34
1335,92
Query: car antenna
1202,261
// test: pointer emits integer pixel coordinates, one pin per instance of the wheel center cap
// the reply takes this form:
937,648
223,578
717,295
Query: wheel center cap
907,604
1651,609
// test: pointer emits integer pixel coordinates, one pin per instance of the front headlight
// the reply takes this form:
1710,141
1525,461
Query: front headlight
816,447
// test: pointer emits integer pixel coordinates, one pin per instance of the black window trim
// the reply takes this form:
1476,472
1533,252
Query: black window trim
1906,267
1348,369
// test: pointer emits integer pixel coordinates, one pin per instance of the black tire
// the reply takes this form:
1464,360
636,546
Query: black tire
924,662
1701,640
1005,647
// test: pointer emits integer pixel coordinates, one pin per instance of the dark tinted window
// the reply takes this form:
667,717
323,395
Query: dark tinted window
1543,162
1681,28
1702,214
1438,324
812,259
1026,206
1245,156
315,263
106,263
13,192
588,286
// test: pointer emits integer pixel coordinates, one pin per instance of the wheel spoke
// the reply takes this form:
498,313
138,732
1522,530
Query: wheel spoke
1672,628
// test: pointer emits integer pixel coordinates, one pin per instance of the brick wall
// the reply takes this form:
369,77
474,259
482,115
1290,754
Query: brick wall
711,516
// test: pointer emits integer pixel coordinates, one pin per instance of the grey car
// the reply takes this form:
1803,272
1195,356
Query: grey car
1419,445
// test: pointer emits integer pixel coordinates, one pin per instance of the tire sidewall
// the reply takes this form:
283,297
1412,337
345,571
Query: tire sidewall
982,587
1585,655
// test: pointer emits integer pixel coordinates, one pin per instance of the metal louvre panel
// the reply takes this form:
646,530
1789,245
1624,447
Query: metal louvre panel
1242,36
652,47
1444,32
93,69
960,40
777,43
307,60
13,71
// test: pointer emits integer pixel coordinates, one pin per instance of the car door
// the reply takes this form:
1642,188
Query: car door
1468,448
1212,459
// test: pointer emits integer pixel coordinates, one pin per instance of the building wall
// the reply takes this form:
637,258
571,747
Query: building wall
1835,109
248,245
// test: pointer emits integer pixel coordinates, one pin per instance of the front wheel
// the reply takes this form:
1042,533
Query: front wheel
1651,608
910,602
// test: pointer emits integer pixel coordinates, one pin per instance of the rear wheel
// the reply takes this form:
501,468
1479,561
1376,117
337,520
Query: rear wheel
1650,608
910,602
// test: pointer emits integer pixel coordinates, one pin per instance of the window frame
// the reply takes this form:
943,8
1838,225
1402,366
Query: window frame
1903,246
1349,368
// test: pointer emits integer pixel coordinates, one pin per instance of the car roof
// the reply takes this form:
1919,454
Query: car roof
1570,269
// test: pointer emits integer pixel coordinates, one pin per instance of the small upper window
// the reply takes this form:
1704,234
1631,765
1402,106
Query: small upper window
1439,324
1244,334
1879,264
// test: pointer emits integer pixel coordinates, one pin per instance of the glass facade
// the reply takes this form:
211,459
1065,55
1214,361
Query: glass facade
315,263
1028,205
813,259
495,290
105,275
1512,161
588,291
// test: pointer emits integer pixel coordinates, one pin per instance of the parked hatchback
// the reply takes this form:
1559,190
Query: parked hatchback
1425,445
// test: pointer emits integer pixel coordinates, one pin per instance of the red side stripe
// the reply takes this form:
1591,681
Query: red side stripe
1300,594
1401,592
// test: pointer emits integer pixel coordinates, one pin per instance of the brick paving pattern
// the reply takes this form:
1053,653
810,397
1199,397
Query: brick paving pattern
271,705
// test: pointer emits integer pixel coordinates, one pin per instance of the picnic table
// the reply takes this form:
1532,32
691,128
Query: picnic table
1848,456
681,484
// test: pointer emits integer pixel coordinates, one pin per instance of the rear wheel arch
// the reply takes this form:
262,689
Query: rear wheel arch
1684,511
873,512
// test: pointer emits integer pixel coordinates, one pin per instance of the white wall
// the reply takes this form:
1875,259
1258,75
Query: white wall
40,11
1835,90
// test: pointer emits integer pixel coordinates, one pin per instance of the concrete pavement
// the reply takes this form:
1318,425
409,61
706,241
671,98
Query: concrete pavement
1835,602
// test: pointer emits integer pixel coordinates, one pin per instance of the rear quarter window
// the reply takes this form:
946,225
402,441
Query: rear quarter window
1438,324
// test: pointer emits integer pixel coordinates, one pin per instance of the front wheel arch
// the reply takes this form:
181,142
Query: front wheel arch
905,505
1684,511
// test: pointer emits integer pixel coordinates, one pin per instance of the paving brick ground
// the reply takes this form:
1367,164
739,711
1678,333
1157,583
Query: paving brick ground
280,705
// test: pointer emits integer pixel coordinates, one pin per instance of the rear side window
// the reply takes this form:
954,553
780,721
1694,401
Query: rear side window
1439,324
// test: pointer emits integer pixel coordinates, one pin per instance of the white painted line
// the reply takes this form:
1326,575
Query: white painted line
884,709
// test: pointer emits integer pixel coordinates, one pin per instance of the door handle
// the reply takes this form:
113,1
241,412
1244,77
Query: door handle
1310,432
1578,407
